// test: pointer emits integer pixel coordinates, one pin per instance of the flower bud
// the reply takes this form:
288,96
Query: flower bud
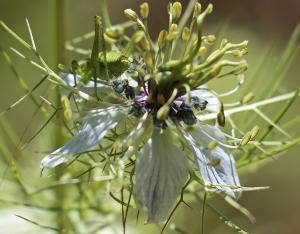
130,14
176,10
186,34
161,41
144,10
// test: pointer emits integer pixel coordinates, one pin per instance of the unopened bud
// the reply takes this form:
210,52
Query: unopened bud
246,139
172,32
130,14
254,132
161,41
176,10
186,34
144,10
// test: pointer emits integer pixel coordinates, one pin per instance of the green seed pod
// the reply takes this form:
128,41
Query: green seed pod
254,132
176,10
186,34
130,14
144,10
246,139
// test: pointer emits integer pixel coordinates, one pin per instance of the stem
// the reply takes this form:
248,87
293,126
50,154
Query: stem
60,32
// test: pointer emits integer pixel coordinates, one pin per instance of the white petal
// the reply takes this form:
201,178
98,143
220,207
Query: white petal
95,126
224,173
213,102
161,171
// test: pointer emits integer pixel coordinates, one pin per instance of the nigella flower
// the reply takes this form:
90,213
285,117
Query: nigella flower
161,95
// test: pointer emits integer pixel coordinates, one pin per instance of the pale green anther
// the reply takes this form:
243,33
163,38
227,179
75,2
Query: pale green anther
62,68
246,139
130,14
224,42
202,51
212,145
213,55
215,162
172,32
138,36
254,132
186,34
221,118
145,43
197,10
144,10
161,41
211,39
176,10
248,98
114,33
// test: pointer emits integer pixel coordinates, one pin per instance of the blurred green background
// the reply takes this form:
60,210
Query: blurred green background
265,23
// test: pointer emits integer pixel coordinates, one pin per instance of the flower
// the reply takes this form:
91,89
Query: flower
161,95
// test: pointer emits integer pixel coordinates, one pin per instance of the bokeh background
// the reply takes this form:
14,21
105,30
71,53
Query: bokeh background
265,23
